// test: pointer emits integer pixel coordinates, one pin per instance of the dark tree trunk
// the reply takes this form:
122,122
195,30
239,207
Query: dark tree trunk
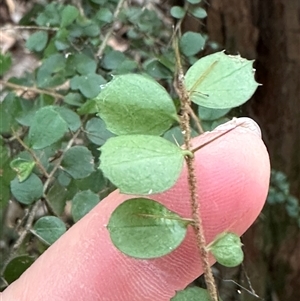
269,31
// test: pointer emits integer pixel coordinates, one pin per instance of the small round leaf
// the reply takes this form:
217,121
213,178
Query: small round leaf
199,12
227,249
191,43
177,12
143,228
141,164
70,117
49,229
194,1
47,127
68,15
89,85
27,191
78,162
135,104
82,203
221,81
96,131
37,41
16,267
192,294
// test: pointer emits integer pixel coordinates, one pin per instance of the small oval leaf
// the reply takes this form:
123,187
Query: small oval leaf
28,191
135,104
221,81
191,43
46,128
16,267
141,164
192,294
143,228
227,249
49,229
78,162
96,131
82,203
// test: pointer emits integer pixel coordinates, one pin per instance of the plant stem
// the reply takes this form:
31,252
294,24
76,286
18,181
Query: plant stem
31,89
27,227
192,180
111,29
58,162
36,159
31,28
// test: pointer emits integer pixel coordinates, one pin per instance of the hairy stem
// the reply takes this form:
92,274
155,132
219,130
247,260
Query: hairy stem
192,180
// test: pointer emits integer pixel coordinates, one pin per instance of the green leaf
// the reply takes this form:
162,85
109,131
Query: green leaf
10,107
27,191
61,41
177,12
100,2
104,15
192,294
89,85
49,229
143,228
113,59
84,64
198,12
211,114
70,117
50,16
51,73
78,162
23,168
157,69
57,197
74,99
227,249
47,127
43,156
141,164
127,66
37,41
68,15
91,30
194,1
94,182
6,175
96,131
26,115
16,267
89,107
134,104
5,63
191,43
82,203
221,81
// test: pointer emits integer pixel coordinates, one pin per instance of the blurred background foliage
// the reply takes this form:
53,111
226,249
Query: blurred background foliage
56,55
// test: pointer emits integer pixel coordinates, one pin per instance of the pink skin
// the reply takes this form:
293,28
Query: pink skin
233,177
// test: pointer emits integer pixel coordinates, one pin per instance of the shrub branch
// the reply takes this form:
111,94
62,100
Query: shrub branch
192,180
30,89
111,29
